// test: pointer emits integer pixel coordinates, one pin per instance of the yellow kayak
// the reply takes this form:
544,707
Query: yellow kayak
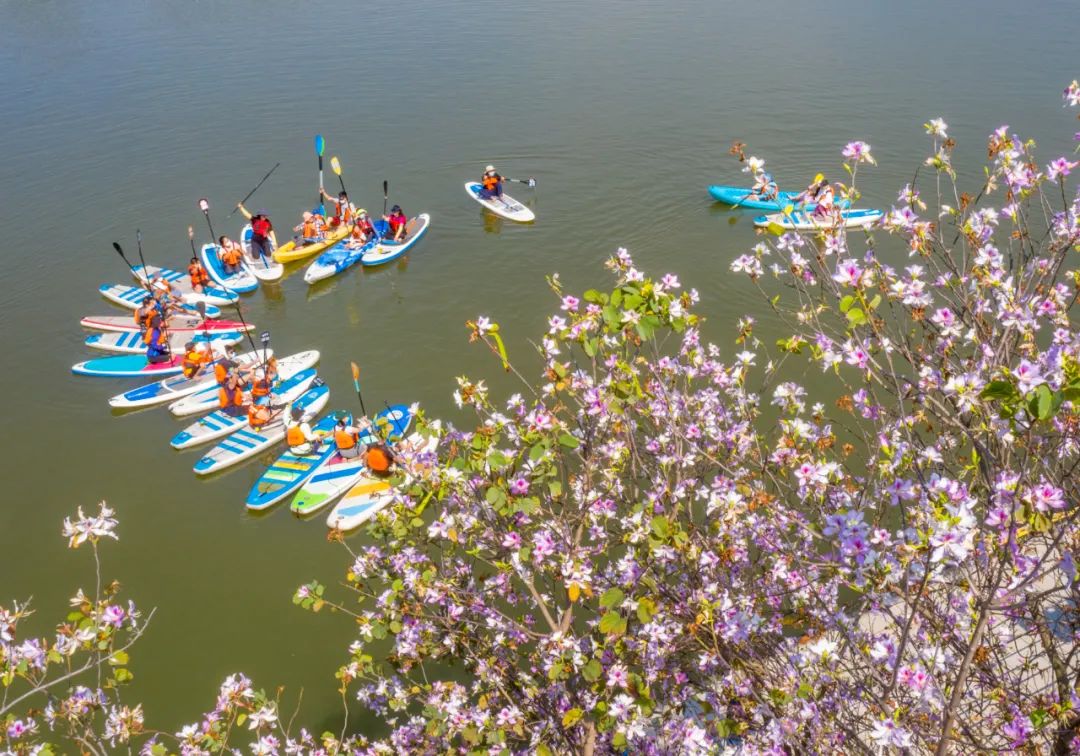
289,251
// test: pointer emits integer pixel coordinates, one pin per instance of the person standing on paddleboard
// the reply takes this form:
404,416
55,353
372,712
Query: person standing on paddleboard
261,228
491,184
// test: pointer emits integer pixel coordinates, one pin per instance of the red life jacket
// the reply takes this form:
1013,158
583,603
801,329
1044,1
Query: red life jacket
261,227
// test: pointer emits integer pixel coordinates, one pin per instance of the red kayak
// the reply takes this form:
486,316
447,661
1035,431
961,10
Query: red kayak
176,324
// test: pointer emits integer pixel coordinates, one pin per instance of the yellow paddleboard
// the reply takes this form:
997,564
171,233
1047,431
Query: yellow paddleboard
289,251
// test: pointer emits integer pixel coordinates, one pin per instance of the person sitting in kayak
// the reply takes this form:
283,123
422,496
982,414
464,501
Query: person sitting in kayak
398,221
262,245
231,255
491,184
310,228
764,188
157,342
299,436
196,358
343,209
198,276
347,438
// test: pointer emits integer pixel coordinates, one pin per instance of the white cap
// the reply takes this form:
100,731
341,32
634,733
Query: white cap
489,169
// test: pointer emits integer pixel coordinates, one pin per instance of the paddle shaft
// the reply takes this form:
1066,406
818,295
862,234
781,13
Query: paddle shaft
209,225
140,279
248,196
385,194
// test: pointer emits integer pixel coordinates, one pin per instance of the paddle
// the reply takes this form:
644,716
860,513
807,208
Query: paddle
140,279
385,194
529,182
138,242
335,165
356,383
248,195
320,145
204,205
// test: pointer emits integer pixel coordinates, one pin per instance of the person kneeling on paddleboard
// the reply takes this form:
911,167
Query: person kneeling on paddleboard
491,185
310,228
299,436
157,342
196,358
346,437
198,275
398,221
343,209
261,228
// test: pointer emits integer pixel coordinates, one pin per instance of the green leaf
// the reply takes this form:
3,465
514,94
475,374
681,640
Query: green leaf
589,345
660,527
572,717
776,229
875,302
592,670
611,597
1001,390
1041,402
847,302
543,750
596,297
555,487
241,719
537,451
856,316
120,658
569,441
612,623
646,608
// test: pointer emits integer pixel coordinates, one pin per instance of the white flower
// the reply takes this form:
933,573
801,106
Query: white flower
937,127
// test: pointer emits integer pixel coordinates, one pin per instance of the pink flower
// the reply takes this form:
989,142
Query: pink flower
859,152
519,487
570,304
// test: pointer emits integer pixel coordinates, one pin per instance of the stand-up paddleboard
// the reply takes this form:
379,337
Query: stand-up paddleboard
220,423
507,207
370,494
289,251
132,297
263,268
131,342
128,366
174,388
339,474
289,471
387,250
182,282
207,398
175,324
246,443
740,196
243,280
801,221
337,259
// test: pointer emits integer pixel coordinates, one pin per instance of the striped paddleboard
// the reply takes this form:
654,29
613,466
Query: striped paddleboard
289,471
245,443
177,324
182,282
132,341
338,474
207,398
133,296
218,423
172,388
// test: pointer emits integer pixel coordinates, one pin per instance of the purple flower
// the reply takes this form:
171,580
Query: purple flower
1017,730
859,152
519,487
113,615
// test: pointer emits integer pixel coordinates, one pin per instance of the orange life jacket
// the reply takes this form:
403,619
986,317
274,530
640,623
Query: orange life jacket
198,275
490,182
230,397
261,386
344,211
144,318
258,415
377,459
311,229
221,373
192,362
344,439
148,336
295,436
232,255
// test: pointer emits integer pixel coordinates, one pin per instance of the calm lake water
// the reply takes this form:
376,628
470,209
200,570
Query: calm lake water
122,114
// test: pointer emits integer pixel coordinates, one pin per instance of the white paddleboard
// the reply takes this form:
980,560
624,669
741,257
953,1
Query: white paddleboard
507,207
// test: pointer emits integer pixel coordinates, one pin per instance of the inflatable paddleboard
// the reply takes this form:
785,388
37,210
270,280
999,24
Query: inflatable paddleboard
175,387
207,398
387,251
127,366
132,297
243,280
801,221
131,342
289,471
182,282
741,196
507,207
263,268
175,324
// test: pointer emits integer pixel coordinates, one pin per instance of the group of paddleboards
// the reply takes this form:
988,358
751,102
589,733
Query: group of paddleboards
816,208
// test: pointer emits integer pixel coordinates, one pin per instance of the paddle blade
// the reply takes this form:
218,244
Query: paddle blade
320,145
335,165
116,246
385,188
204,205
355,371
532,183
190,232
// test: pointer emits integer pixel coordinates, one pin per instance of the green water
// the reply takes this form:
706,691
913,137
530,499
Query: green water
122,114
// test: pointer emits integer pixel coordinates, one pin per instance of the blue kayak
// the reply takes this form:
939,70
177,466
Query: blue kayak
338,258
740,196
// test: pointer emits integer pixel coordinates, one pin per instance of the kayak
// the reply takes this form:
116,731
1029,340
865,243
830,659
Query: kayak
245,443
242,280
388,251
132,297
219,423
740,196
370,494
127,366
507,207
339,474
289,471
206,399
182,283
175,324
800,221
338,258
289,252
173,388
262,268
131,342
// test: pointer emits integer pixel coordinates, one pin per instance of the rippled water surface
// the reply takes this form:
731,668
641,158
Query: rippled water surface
117,115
